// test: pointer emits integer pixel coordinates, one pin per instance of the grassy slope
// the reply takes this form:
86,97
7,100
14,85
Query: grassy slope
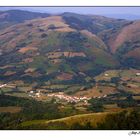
82,119
94,118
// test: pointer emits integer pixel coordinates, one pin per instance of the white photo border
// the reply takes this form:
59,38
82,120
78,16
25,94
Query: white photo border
69,135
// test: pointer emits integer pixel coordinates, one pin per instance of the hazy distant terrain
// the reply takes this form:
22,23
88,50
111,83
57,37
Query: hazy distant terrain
54,66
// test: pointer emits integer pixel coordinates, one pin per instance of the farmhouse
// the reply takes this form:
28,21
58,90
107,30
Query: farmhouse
138,74
3,85
106,74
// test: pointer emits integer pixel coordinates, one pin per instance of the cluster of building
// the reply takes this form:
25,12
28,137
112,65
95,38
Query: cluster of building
70,99
3,85
7,85
35,94
62,96
138,74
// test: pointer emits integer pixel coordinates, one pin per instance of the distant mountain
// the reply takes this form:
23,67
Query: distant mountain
124,16
11,17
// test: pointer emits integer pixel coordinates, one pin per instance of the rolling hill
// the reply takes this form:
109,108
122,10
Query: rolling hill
66,49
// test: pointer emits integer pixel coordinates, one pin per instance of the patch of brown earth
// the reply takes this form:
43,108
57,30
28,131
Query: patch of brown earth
65,76
28,60
57,21
25,49
55,55
56,61
73,54
33,46
97,91
29,70
134,53
11,109
9,73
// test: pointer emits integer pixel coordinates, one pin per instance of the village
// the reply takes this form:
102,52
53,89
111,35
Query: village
60,96
70,99
37,94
